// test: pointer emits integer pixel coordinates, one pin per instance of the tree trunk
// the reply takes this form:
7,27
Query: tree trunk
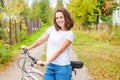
97,22
10,32
15,32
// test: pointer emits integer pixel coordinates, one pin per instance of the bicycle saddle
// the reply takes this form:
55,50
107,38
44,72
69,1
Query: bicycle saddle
76,64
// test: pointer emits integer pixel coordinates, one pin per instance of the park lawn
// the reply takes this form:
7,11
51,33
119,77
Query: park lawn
101,57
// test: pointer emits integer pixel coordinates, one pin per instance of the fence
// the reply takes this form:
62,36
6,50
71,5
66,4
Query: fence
11,30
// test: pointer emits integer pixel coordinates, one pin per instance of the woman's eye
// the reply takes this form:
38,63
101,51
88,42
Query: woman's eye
61,17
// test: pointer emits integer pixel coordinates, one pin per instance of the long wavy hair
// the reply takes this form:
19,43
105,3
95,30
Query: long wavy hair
69,23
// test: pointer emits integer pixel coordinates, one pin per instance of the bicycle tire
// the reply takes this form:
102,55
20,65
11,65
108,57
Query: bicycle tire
27,64
24,78
21,63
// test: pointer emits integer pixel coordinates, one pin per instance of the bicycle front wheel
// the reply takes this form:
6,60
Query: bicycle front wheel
24,78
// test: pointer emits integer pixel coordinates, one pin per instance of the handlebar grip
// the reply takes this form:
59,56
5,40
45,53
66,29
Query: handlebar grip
41,64
25,50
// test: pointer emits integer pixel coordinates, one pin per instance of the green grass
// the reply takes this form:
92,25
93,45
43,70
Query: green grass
100,56
17,48
32,38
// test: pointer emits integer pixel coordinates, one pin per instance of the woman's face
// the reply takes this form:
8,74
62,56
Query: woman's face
60,20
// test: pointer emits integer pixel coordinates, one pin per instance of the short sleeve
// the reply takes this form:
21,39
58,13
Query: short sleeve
70,36
50,29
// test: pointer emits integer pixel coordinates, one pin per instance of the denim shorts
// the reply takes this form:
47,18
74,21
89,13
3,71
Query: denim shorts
58,72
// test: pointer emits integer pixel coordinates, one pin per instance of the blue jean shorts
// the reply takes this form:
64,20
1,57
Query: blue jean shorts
58,72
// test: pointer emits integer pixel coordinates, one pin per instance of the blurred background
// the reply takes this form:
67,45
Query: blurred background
96,30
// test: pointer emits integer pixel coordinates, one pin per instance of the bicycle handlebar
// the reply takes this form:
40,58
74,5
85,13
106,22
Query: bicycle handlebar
25,51
74,64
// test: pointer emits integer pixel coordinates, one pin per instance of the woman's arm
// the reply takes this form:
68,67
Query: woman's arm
41,40
62,47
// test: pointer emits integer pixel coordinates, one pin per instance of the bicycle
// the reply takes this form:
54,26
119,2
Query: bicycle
30,71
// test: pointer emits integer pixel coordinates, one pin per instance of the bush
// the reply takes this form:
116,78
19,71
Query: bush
24,35
5,52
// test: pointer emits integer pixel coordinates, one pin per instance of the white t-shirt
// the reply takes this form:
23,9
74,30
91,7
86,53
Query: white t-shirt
54,41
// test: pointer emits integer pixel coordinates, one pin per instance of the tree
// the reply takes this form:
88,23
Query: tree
82,11
42,10
104,10
1,3
89,11
1,16
14,9
59,4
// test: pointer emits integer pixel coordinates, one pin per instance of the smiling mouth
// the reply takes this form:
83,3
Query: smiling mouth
60,24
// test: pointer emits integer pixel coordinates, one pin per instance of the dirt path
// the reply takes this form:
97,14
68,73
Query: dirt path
82,74
14,73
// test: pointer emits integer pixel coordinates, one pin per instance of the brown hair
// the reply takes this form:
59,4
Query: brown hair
68,20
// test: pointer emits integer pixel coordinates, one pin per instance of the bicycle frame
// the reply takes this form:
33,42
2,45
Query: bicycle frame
32,69
29,69
30,72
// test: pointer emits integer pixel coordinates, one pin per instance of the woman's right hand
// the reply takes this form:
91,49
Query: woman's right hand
25,47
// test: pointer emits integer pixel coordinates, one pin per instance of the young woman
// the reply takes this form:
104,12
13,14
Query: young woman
59,37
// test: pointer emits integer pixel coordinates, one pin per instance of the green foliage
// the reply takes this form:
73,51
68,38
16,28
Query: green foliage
31,38
42,11
1,3
26,13
0,29
14,9
59,4
5,52
83,10
24,34
107,18
100,3
89,11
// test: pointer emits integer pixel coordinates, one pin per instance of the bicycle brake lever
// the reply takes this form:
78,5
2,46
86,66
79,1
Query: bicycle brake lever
35,61
25,50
